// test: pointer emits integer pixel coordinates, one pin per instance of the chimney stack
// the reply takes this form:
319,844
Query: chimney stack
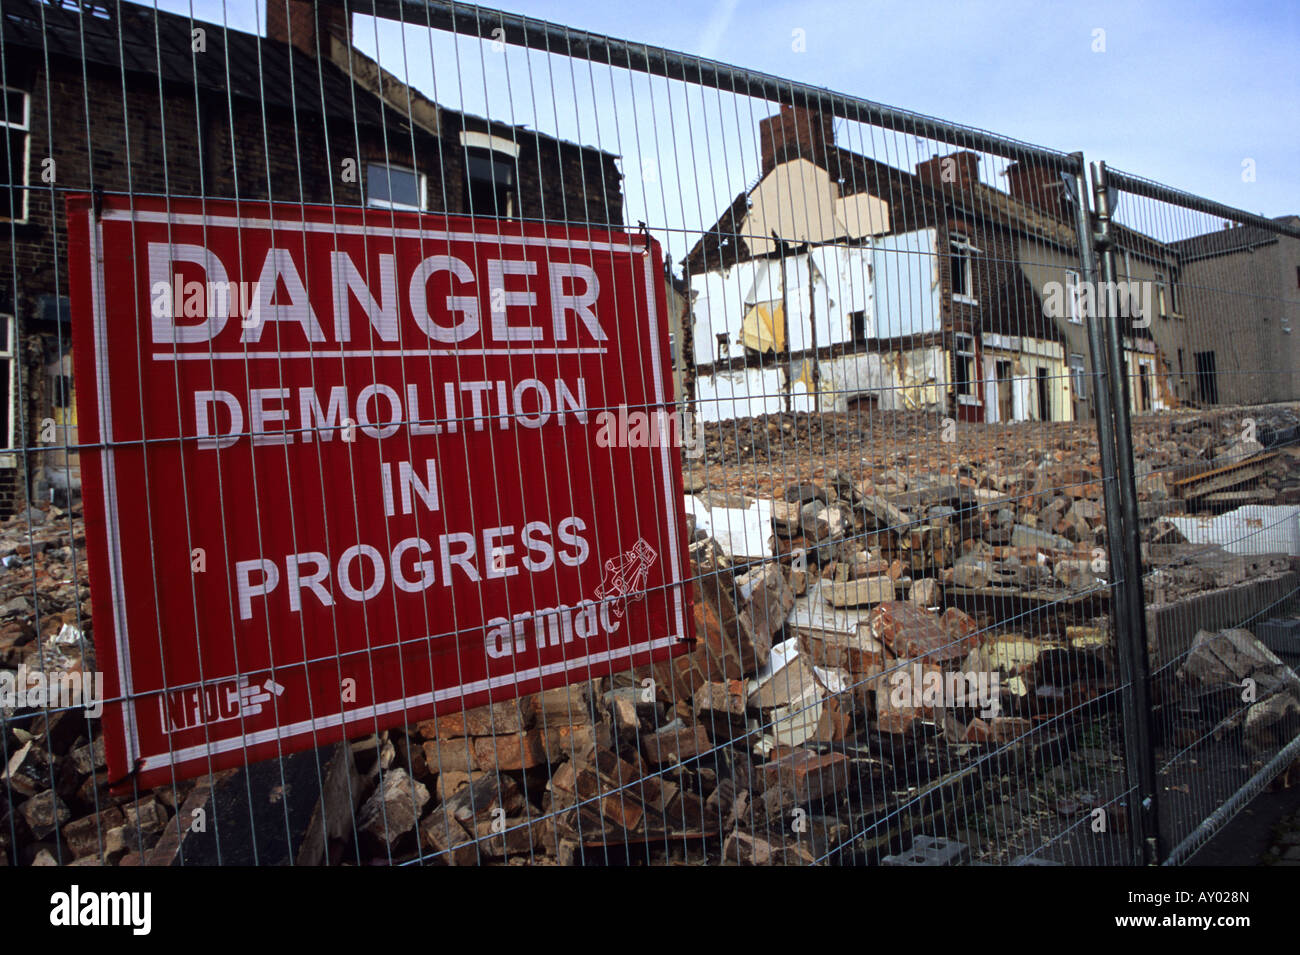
307,24
1039,186
958,169
796,132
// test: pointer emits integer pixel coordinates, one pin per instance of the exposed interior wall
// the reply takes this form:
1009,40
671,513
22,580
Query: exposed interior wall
772,305
890,282
912,379
907,284
801,203
1145,366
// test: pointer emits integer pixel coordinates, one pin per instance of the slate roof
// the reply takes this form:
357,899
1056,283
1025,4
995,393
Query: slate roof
1226,241
156,42
251,67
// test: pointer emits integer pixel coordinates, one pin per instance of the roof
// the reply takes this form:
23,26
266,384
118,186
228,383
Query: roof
251,67
723,244
1242,238
143,40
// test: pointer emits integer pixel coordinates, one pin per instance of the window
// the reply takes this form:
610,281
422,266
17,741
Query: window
963,363
1207,378
859,323
1297,276
1072,303
489,183
960,268
15,123
7,380
1165,301
1044,379
1079,376
62,392
392,187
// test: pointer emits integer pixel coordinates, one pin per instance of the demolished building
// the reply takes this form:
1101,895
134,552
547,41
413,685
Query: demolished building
838,279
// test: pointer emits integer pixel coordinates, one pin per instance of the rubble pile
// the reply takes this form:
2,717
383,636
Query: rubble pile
1212,678
44,581
760,456
865,630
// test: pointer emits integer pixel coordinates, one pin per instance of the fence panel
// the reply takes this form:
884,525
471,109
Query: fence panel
1211,380
619,458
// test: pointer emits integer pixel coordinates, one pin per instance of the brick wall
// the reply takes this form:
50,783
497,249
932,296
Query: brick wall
126,136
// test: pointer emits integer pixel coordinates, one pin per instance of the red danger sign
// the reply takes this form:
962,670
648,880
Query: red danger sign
346,469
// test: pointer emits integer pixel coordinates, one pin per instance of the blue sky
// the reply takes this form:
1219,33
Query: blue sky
1183,92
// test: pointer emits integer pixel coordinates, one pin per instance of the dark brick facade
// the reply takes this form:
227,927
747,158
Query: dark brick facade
132,132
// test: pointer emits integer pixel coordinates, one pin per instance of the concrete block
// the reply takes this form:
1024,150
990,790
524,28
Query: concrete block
930,851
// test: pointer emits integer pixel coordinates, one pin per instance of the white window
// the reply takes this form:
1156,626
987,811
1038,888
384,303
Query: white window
7,370
963,368
1073,306
393,187
15,122
961,269
1079,376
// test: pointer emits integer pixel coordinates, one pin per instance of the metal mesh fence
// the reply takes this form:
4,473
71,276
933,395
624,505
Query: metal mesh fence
442,437
1210,372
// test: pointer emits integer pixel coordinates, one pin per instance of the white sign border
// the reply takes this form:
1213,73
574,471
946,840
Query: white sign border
103,400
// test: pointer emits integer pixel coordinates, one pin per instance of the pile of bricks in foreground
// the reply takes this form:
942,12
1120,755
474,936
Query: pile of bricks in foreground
777,739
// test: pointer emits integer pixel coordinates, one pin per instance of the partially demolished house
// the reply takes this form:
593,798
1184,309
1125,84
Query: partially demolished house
838,278
183,107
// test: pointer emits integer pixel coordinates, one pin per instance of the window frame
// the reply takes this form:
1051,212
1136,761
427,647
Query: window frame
1166,297
1073,290
960,358
422,183
961,248
26,128
8,451
494,154
1078,375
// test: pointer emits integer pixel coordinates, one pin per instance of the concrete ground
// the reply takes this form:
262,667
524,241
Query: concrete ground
1266,832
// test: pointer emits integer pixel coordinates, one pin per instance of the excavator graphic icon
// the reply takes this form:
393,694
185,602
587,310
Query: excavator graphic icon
627,575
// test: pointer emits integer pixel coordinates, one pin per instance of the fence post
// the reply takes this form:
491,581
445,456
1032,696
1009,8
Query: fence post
1132,638
1110,491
